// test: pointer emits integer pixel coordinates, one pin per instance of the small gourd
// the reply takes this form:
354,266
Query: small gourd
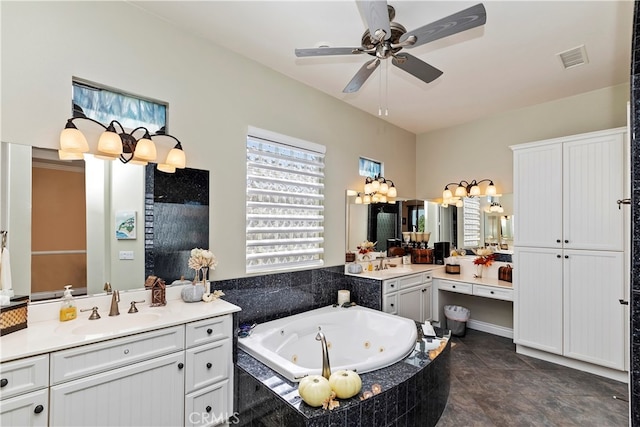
314,390
345,383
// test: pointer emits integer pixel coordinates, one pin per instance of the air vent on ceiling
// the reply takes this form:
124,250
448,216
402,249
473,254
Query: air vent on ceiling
573,57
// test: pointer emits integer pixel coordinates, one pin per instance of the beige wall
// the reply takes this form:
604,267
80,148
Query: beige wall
480,149
213,96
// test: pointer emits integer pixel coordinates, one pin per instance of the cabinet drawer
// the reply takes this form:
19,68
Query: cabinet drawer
29,409
493,292
389,286
208,330
24,375
390,304
409,281
89,359
208,407
207,364
460,287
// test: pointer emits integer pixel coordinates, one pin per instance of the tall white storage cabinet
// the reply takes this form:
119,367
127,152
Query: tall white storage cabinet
570,247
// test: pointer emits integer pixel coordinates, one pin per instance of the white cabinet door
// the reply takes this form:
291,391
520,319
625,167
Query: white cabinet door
537,307
593,181
29,409
593,317
537,192
426,302
410,303
148,393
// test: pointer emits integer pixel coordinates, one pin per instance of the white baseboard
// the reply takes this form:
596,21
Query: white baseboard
622,376
490,328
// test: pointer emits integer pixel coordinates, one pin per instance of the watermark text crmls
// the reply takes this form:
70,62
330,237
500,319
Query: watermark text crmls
207,418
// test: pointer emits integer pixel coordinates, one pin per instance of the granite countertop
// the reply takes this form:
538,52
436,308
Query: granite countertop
486,281
45,333
395,272
386,378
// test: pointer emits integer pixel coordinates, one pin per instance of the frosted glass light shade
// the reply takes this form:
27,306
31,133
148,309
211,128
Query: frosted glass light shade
375,185
475,191
358,200
145,150
459,204
110,143
73,141
384,188
176,158
368,188
367,199
66,155
163,167
392,192
461,191
447,194
491,190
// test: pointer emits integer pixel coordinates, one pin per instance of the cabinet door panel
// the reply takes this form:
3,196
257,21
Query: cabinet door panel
208,407
207,364
409,303
426,302
29,409
537,193
593,181
593,316
537,308
148,393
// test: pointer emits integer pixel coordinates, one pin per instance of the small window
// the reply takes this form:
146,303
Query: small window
104,105
370,168
285,202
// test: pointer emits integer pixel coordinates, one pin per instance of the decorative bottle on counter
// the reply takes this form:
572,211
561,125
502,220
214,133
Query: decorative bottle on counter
68,310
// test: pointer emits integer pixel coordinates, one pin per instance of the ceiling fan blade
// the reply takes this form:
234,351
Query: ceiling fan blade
376,14
361,76
324,51
416,67
452,24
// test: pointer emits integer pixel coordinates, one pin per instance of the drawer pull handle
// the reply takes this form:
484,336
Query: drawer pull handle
558,256
38,409
393,286
424,290
180,365
491,292
4,382
208,409
454,286
558,241
209,365
126,351
566,241
209,331
566,256
391,305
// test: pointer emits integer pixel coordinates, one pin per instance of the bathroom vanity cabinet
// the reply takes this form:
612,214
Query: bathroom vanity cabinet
24,392
178,372
408,296
570,247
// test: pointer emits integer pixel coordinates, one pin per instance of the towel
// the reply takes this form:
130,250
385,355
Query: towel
5,274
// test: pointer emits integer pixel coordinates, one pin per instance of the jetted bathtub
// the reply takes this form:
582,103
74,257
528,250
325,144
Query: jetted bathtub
358,338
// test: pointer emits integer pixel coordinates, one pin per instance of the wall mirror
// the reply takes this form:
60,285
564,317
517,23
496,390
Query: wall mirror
68,231
381,222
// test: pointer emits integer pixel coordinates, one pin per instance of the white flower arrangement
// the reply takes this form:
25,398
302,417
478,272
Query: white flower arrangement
202,258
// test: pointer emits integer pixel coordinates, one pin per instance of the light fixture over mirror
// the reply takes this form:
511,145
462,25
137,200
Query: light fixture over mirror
377,190
466,189
120,144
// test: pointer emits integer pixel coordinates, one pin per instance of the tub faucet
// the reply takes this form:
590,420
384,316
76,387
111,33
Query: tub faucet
326,368
115,299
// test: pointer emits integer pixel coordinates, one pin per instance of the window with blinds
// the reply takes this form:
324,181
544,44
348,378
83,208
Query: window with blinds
471,214
285,202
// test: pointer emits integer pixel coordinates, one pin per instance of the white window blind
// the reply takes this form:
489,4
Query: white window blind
285,202
471,214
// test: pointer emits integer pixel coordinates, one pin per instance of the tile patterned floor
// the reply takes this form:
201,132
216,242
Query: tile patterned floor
491,385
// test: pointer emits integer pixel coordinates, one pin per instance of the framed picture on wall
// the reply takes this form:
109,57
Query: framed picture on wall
125,225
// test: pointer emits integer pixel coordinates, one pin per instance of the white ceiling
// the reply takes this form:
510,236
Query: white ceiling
508,63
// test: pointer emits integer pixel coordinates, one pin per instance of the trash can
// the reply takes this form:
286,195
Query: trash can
457,317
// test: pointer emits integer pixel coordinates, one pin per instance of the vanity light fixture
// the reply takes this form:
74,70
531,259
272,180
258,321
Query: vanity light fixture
466,189
123,145
377,190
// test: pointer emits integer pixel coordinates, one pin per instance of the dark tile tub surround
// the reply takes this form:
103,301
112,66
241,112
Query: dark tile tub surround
414,393
269,297
635,221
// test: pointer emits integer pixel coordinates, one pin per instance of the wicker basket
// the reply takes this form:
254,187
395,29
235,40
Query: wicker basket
13,317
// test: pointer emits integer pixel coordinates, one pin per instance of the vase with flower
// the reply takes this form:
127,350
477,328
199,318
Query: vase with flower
201,260
484,258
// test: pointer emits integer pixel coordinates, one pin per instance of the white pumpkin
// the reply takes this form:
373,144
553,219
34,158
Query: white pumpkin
345,383
314,389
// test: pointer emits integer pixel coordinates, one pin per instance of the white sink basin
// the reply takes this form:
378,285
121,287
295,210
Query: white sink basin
108,324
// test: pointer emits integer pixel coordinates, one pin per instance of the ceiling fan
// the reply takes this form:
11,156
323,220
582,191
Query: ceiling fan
385,39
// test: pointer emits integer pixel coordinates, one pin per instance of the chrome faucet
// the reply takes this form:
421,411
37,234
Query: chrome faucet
115,299
326,368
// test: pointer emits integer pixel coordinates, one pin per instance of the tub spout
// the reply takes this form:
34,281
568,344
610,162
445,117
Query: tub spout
326,368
